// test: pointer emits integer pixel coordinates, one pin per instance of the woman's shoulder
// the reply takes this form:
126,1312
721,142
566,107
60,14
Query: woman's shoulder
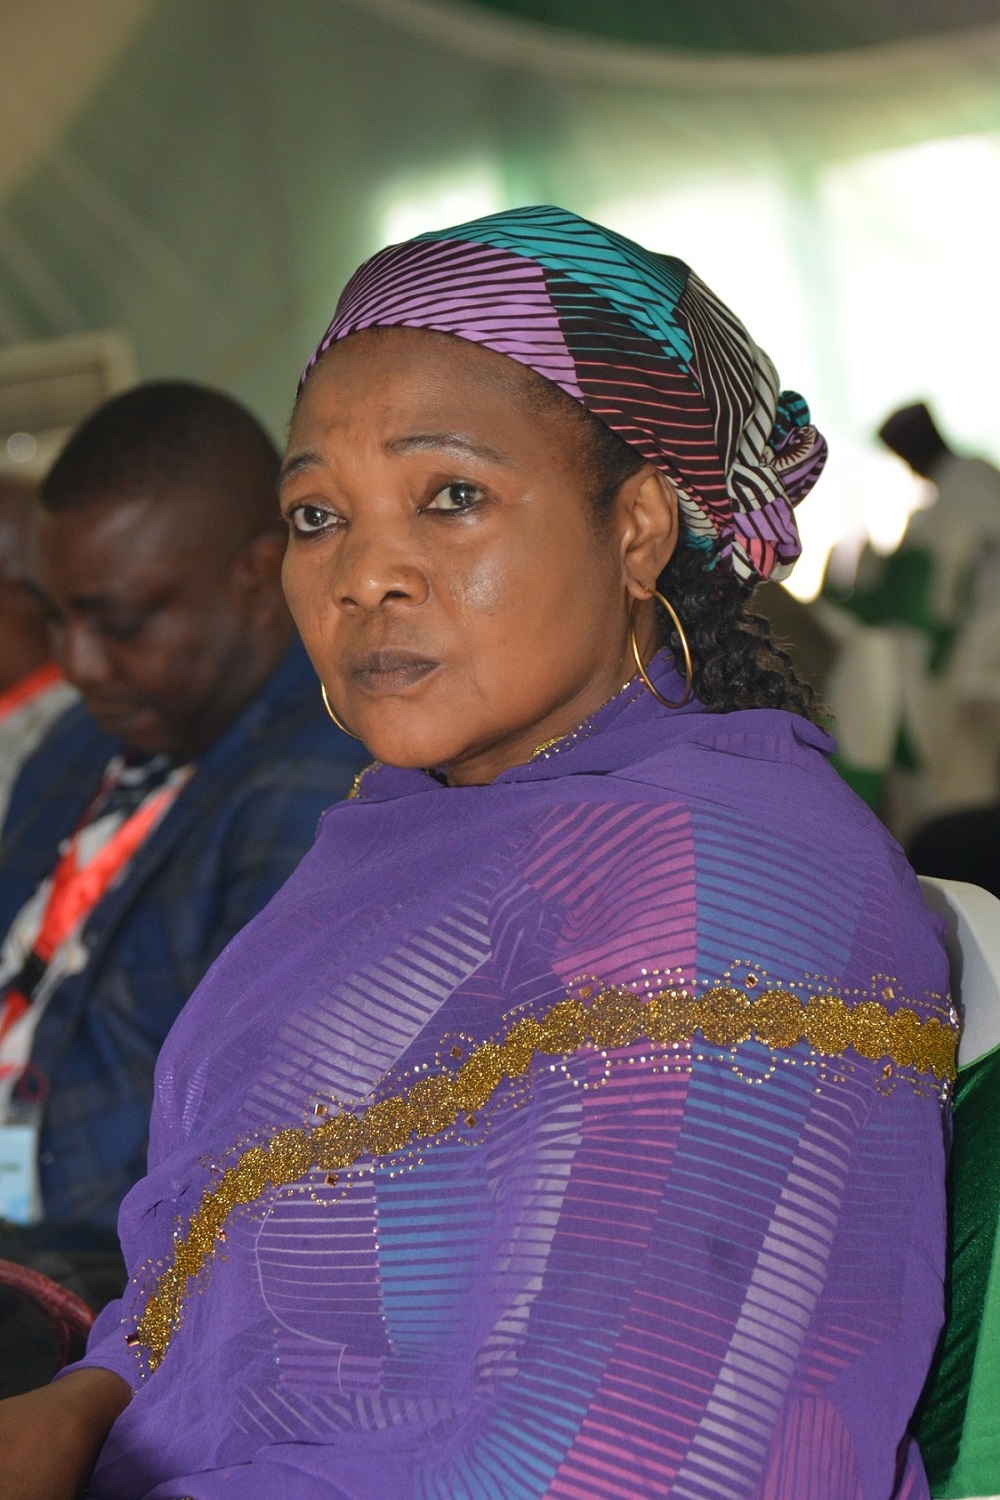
768,735
764,760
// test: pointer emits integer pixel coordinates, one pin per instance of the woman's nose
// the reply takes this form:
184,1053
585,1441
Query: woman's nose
375,570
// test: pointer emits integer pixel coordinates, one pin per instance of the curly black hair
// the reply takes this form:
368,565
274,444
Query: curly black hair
737,663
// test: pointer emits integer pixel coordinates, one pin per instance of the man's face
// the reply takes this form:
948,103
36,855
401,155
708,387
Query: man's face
146,617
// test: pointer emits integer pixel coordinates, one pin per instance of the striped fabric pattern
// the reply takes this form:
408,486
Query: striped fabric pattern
634,336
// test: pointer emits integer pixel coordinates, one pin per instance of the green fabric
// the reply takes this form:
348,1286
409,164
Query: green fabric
902,596
905,756
781,26
958,1423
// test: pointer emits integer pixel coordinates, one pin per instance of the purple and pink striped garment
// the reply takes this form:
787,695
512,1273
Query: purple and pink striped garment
649,1258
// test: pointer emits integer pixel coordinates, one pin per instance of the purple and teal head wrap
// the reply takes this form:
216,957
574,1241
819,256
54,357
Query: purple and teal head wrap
634,336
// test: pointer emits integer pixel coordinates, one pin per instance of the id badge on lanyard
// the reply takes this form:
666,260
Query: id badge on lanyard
20,1186
20,1195
74,892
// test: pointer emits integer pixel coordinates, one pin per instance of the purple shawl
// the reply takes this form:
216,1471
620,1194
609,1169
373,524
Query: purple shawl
577,1135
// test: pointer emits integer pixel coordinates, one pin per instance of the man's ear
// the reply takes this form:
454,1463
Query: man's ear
256,574
648,516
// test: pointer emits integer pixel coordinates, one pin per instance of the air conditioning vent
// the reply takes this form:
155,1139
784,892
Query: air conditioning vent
48,387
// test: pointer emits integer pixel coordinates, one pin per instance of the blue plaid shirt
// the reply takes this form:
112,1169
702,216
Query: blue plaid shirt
234,835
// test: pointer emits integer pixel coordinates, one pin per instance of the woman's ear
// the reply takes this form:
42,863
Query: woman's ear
648,517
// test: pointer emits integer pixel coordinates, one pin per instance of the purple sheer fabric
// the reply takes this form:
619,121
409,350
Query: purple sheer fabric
689,1245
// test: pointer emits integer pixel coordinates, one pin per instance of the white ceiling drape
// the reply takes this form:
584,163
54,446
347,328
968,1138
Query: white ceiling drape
205,174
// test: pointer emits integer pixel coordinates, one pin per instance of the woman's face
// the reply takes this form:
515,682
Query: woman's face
444,566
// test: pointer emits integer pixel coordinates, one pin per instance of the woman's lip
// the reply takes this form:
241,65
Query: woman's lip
391,671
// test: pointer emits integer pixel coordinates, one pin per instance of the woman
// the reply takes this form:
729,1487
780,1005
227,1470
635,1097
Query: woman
571,1123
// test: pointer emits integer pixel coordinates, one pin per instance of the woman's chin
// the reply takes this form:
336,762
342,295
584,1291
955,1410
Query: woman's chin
427,740
413,749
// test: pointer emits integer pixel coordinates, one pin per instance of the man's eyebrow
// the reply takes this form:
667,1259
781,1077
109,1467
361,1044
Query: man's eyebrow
85,604
427,442
127,604
299,463
103,607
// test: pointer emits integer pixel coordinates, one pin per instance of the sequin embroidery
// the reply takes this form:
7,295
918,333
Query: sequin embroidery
724,1015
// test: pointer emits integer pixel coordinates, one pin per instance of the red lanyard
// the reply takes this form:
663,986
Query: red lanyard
76,889
29,688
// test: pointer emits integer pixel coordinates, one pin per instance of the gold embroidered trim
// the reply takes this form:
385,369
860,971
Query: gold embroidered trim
725,1016
357,789
572,737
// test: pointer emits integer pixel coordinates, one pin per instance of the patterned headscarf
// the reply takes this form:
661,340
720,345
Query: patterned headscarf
634,336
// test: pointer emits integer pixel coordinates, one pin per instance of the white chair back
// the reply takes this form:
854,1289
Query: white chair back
973,918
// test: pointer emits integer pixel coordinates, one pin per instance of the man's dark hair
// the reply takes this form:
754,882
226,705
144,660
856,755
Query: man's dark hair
912,434
165,436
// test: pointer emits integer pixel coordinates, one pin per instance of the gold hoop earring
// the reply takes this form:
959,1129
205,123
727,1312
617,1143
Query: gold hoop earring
688,669
339,722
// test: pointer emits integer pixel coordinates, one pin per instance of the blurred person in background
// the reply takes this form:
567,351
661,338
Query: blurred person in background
915,687
961,533
33,692
162,812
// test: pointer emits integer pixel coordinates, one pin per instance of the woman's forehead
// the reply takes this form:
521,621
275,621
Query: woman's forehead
406,375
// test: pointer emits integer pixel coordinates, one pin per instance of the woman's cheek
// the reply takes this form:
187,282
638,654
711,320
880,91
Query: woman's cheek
291,582
486,589
305,604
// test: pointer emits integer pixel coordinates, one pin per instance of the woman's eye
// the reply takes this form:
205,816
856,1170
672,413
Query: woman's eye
456,497
307,520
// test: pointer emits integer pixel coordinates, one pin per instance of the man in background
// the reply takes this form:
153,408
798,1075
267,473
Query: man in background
32,690
164,811
916,685
960,536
